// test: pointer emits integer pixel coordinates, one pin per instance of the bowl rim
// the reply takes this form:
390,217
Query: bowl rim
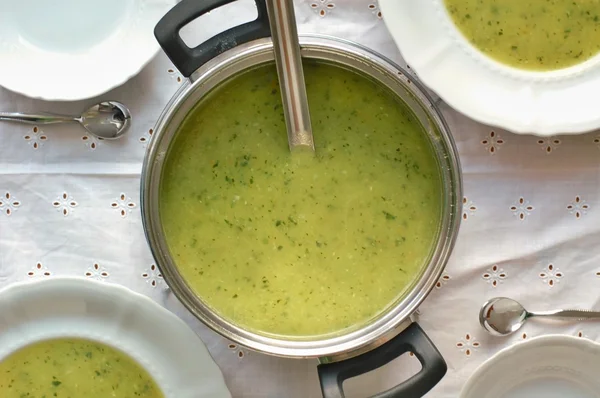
541,103
129,322
52,75
487,367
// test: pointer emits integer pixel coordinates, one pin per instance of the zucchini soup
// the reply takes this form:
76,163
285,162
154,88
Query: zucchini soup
530,34
70,367
300,245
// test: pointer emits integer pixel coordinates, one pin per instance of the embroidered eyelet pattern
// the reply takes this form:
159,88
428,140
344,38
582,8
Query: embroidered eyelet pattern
237,350
494,276
153,276
173,74
91,142
548,144
39,270
123,204
578,207
35,138
65,204
468,345
9,204
492,142
144,139
521,208
445,278
551,275
97,272
469,208
322,7
374,7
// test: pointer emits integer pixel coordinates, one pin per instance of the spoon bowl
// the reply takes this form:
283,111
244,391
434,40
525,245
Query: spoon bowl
502,316
108,120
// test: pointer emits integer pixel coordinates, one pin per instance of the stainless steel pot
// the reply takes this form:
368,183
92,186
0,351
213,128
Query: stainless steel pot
222,58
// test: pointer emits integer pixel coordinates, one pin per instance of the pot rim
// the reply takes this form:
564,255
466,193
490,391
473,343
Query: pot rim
354,56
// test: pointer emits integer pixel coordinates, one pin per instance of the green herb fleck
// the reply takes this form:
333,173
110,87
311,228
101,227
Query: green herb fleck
389,216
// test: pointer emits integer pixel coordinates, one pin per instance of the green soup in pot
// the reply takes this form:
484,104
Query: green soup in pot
300,246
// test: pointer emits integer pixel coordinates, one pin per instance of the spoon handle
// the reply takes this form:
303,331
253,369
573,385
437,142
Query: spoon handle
291,76
567,314
39,118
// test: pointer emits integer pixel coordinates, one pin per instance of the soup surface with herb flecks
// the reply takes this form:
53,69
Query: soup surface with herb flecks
290,244
73,368
531,34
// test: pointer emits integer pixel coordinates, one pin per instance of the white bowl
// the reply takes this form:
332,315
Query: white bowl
545,367
542,103
111,314
75,49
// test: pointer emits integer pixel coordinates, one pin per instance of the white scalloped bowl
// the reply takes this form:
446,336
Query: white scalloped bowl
525,102
75,49
552,366
113,315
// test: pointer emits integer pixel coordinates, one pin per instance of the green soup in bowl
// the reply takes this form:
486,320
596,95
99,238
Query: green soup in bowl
73,367
538,35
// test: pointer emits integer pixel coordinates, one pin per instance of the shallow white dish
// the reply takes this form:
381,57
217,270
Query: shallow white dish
542,103
545,367
111,314
75,49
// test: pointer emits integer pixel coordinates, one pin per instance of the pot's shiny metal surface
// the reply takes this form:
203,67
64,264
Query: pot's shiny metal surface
350,56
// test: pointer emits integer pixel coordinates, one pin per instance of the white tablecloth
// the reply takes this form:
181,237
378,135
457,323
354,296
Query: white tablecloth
69,205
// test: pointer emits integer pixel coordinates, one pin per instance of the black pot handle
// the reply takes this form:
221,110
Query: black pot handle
413,339
187,59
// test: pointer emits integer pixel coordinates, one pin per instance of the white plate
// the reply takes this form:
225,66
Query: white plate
543,367
111,314
75,49
543,103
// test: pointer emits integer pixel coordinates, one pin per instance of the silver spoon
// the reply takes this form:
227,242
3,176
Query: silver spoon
290,74
108,120
502,316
